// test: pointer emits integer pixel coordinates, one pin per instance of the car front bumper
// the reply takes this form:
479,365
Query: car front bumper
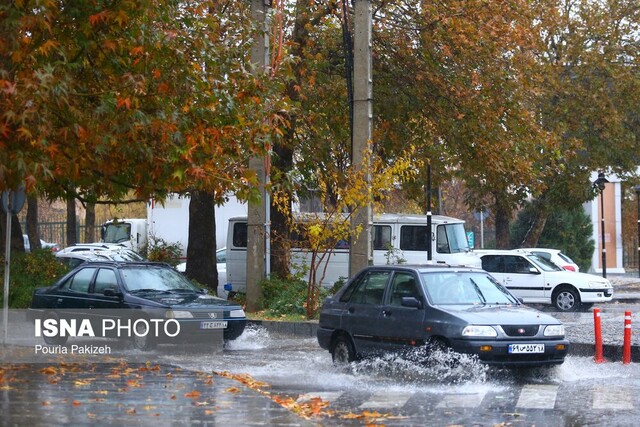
497,352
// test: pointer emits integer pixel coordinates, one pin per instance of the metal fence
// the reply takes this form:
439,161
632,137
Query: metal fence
56,232
630,256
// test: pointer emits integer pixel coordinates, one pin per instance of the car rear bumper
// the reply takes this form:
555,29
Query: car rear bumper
555,352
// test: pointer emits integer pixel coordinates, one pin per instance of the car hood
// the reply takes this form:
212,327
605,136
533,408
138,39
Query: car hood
191,300
499,314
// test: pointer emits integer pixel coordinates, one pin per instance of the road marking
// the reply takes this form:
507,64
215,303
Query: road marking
610,398
325,396
387,400
538,396
462,400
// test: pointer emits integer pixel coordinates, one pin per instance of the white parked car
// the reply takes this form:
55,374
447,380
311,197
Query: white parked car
221,265
537,280
113,251
44,245
556,257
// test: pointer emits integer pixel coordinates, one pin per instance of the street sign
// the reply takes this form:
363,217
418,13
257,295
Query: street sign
471,239
13,200
481,215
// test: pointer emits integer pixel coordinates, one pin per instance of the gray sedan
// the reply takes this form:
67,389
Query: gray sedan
400,307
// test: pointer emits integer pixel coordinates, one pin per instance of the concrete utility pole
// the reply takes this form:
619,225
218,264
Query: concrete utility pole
360,252
257,211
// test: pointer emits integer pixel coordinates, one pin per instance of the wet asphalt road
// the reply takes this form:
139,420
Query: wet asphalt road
267,379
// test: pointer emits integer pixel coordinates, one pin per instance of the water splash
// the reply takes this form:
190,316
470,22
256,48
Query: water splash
254,337
424,365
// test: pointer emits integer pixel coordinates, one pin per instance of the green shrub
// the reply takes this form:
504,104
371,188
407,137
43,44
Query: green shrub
29,271
160,250
289,297
282,297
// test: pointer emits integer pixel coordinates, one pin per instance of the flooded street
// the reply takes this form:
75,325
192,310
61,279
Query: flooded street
442,392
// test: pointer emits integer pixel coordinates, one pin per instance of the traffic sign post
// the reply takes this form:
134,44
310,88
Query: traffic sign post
12,203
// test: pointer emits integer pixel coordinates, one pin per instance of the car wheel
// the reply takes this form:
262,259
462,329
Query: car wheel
140,341
342,351
566,299
56,340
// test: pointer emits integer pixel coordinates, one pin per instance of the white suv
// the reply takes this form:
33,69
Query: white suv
537,280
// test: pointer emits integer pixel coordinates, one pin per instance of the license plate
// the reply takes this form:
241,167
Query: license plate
213,325
526,348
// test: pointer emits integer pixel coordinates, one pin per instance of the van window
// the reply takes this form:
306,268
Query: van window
240,235
381,237
414,238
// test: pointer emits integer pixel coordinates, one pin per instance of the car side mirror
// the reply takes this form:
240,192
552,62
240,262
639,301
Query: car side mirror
533,270
411,302
112,292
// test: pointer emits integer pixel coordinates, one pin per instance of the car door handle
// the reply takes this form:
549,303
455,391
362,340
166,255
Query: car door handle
351,310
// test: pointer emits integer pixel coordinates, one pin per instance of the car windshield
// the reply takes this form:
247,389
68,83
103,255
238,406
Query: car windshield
154,278
116,232
465,288
451,239
544,263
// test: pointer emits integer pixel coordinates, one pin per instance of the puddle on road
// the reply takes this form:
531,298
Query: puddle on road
293,362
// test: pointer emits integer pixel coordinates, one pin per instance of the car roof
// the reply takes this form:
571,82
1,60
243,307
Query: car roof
86,255
129,264
92,246
482,252
424,268
555,251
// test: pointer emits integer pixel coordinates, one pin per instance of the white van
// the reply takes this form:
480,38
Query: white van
396,239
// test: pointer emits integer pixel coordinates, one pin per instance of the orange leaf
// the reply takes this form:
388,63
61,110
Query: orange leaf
49,370
192,395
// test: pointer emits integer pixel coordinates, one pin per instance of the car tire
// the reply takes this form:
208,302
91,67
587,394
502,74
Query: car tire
57,340
342,351
144,342
566,299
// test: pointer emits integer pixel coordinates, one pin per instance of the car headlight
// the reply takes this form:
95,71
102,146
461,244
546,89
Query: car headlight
237,313
479,331
600,284
554,331
178,314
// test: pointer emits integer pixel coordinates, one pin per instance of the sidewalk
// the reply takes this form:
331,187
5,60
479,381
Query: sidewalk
137,394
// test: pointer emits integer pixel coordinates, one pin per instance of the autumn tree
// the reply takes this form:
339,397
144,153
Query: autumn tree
589,62
103,98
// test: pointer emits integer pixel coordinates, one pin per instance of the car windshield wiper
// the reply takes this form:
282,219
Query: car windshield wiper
162,291
478,291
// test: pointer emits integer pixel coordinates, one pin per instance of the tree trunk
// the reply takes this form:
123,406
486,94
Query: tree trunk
502,226
90,223
538,222
201,246
72,221
32,222
282,161
281,214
